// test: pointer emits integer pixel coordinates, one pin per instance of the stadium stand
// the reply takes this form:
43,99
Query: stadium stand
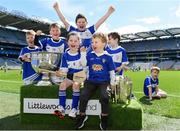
156,46
176,66
2,62
166,64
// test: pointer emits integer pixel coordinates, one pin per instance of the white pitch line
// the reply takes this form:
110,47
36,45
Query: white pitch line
7,81
138,92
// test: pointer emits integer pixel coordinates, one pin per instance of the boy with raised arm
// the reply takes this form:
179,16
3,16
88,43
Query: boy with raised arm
81,23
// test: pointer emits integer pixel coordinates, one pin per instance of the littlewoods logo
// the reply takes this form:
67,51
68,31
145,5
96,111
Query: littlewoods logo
34,105
47,106
39,105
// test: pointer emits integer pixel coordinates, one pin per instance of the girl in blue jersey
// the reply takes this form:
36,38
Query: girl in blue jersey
81,23
29,74
151,85
117,52
100,73
72,62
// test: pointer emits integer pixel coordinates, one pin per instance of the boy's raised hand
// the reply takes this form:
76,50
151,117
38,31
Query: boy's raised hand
103,18
38,32
56,6
111,9
60,14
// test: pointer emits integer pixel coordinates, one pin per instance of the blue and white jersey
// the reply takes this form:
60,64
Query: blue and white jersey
86,35
71,63
150,82
99,67
119,56
49,45
29,74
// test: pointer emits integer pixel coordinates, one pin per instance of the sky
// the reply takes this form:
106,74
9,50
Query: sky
130,16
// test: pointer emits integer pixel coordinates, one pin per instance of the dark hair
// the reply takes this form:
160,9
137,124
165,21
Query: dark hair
101,36
79,16
53,25
73,33
115,35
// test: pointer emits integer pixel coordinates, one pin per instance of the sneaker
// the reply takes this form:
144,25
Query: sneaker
60,113
103,123
73,113
80,121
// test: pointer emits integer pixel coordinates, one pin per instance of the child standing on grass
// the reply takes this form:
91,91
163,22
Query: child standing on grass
101,73
81,23
72,62
117,52
151,85
29,74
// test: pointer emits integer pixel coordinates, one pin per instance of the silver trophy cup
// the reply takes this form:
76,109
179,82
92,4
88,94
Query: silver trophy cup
46,63
123,90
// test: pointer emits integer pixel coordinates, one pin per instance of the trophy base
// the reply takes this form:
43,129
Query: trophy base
44,83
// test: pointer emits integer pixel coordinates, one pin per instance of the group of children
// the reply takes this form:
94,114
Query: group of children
83,50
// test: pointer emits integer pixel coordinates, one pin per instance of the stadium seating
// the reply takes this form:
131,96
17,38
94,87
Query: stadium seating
13,36
142,65
11,63
152,45
2,61
165,64
176,66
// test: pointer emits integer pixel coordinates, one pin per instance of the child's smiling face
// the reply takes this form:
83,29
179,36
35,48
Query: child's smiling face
81,24
30,40
74,42
112,41
55,33
97,44
154,73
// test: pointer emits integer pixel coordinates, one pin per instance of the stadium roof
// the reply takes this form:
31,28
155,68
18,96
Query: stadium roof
156,34
19,20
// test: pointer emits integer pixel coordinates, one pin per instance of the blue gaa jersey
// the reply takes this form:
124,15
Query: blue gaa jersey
86,35
49,45
118,55
29,75
99,67
71,63
150,82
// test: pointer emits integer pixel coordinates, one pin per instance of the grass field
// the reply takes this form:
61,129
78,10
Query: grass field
159,114
169,82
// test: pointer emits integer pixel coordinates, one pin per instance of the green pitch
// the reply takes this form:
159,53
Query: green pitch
169,81
10,83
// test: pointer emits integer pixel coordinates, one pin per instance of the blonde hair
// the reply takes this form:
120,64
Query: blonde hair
101,36
155,68
30,32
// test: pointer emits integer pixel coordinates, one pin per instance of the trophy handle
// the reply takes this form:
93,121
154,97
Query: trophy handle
47,71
